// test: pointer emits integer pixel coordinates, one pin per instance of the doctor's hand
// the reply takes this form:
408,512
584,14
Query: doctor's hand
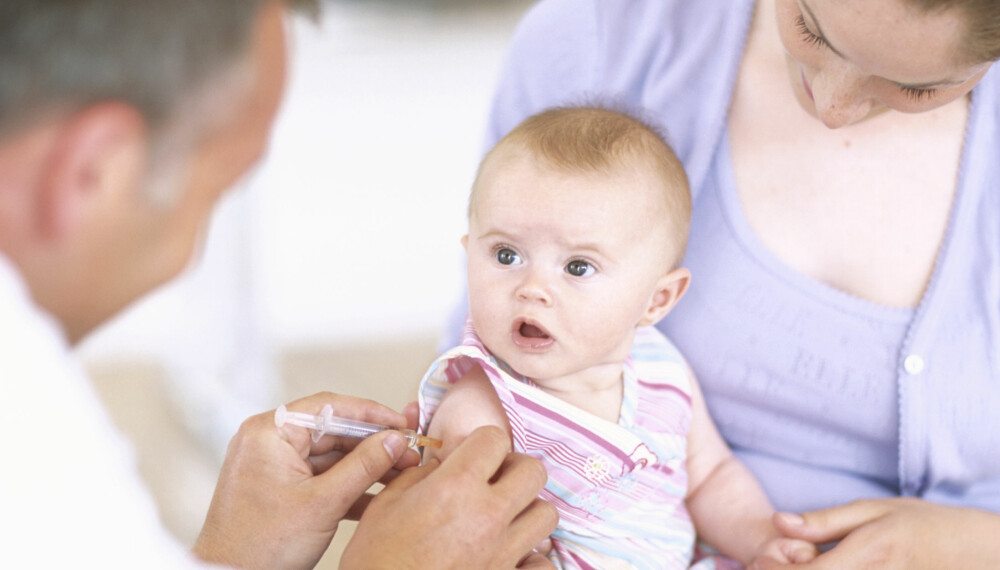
897,533
477,509
280,496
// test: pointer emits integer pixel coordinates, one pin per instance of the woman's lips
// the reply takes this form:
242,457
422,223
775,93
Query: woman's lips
805,84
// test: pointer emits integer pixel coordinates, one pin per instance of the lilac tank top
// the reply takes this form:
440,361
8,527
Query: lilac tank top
802,382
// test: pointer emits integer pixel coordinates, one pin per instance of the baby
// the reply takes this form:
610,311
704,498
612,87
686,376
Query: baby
578,220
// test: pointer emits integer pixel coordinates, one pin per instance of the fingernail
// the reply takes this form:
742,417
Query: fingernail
791,519
395,445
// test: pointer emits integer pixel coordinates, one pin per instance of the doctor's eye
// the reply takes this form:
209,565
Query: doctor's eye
507,256
579,268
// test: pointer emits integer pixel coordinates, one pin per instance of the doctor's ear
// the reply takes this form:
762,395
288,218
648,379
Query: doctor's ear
669,289
98,152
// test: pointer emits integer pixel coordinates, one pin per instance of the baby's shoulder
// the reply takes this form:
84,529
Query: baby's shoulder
651,344
657,361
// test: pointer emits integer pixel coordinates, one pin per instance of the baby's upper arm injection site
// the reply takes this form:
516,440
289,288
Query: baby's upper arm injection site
469,403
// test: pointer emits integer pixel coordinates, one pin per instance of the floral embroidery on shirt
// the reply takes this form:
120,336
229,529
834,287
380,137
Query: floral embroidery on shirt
596,468
595,502
626,483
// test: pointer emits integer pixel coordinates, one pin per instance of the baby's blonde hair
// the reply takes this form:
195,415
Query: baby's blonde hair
598,139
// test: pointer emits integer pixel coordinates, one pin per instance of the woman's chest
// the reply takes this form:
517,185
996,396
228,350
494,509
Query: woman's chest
862,209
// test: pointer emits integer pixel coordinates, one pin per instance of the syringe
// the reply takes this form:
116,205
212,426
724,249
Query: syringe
327,423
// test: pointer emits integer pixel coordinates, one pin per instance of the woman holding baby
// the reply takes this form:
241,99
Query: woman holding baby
844,313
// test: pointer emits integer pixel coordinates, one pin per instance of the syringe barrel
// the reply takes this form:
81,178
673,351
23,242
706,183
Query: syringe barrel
350,428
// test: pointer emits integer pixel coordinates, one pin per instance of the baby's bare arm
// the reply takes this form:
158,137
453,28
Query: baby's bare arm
469,403
728,507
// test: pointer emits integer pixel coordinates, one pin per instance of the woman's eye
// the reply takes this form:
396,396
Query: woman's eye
810,38
579,268
507,256
917,94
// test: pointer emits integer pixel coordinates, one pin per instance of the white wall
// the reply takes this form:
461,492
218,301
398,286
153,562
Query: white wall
349,230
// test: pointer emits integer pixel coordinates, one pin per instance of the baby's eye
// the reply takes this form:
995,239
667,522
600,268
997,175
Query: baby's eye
579,268
507,256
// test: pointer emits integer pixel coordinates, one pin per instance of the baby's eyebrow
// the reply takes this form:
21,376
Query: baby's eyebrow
494,234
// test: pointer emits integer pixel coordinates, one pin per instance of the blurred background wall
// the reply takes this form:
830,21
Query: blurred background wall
334,265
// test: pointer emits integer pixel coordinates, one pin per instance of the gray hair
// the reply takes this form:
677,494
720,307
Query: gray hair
160,56
65,54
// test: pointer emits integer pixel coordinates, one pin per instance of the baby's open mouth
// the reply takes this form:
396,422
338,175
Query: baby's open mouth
531,337
531,331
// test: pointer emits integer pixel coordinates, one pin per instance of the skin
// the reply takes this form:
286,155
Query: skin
281,496
897,533
467,482
75,221
82,174
626,267
862,208
844,67
528,226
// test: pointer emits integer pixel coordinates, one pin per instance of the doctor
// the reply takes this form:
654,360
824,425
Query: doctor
122,122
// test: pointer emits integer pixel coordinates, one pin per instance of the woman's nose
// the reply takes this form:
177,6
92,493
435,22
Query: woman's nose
841,96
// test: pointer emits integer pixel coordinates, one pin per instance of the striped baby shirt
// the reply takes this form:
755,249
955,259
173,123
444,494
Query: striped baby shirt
619,488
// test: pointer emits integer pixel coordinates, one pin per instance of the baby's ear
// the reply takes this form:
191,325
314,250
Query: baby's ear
669,289
465,242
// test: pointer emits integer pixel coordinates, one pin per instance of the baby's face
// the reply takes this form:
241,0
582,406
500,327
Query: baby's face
561,267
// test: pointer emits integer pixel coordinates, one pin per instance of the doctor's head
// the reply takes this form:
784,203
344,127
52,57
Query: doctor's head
121,124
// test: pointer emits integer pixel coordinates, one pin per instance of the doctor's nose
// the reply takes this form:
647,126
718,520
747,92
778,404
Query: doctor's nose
841,96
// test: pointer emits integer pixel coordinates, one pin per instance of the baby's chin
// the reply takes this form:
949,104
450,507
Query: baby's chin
526,365
518,365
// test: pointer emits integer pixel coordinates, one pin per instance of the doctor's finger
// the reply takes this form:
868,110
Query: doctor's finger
348,407
409,477
479,455
535,561
321,463
520,479
532,527
348,479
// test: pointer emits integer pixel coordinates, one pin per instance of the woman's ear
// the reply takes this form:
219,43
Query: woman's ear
669,289
98,152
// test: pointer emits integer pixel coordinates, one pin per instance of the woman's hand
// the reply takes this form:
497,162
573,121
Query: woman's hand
899,533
